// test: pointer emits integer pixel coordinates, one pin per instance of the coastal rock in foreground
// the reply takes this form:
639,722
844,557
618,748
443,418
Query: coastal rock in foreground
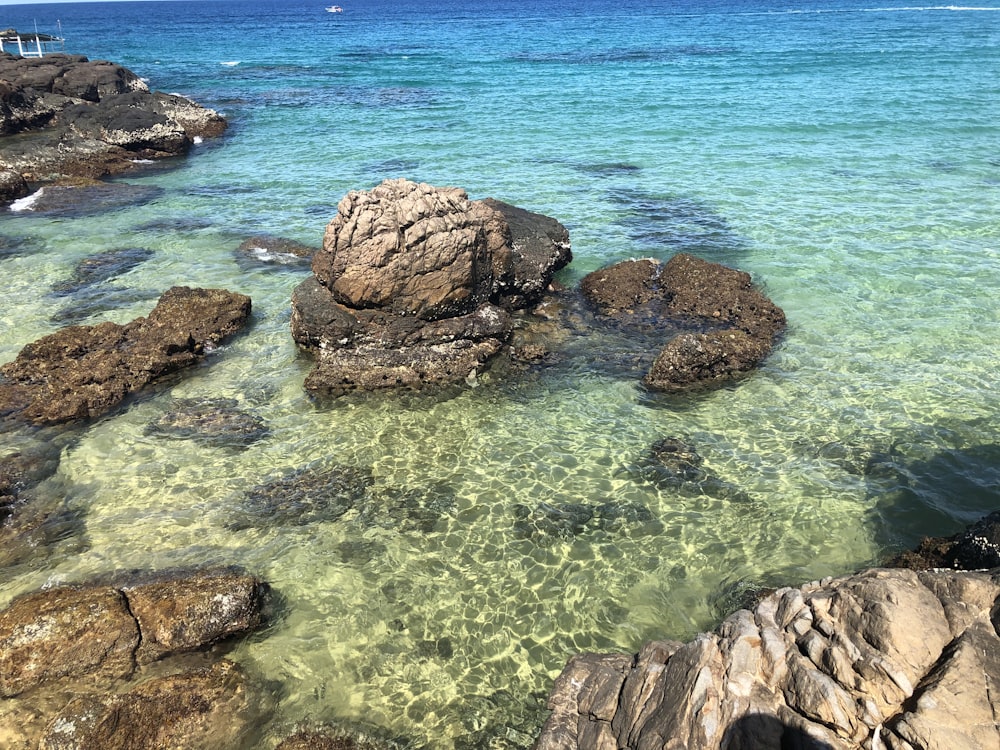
415,285
727,326
215,707
105,632
81,372
82,118
886,658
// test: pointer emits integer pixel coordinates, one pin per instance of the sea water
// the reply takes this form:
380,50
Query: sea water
844,153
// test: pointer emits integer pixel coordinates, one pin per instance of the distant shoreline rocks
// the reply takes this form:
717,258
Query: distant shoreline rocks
78,118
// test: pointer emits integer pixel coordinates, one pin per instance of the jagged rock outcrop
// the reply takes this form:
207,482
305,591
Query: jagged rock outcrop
882,659
81,372
720,326
415,285
83,118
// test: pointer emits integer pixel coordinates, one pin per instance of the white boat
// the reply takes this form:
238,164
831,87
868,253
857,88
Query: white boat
334,9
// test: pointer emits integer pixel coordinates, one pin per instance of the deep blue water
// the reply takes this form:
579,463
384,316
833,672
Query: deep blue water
844,153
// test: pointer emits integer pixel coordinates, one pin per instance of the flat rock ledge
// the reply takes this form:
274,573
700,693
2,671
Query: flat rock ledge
81,372
75,117
727,326
415,286
887,658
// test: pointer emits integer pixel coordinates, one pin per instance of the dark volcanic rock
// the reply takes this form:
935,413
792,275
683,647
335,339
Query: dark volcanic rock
89,118
217,422
12,186
414,284
731,326
83,371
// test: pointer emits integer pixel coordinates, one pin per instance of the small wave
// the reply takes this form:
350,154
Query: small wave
26,203
230,63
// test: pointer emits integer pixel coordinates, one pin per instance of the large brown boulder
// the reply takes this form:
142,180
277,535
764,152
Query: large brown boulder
414,286
82,372
720,325
103,632
884,658
82,118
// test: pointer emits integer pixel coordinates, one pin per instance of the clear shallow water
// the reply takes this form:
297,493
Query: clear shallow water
846,156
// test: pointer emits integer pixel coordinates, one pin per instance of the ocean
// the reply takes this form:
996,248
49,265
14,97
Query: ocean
845,153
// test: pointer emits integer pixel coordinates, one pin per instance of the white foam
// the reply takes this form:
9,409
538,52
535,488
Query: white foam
198,139
230,63
25,204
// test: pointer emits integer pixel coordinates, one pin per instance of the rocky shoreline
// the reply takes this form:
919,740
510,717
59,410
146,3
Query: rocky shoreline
67,117
418,286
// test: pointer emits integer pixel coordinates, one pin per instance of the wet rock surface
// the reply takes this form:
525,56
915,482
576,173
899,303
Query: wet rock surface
105,632
414,285
889,657
81,372
83,118
266,251
717,326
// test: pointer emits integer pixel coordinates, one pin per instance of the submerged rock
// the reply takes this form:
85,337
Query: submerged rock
719,326
97,301
82,372
886,657
414,284
101,267
308,495
549,522
217,422
674,464
84,198
265,250
82,118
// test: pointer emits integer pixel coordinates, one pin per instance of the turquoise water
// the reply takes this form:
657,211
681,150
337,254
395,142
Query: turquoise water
846,156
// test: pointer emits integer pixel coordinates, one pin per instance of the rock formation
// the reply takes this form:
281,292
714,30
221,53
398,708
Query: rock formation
66,652
415,285
82,372
725,326
82,118
107,631
882,659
